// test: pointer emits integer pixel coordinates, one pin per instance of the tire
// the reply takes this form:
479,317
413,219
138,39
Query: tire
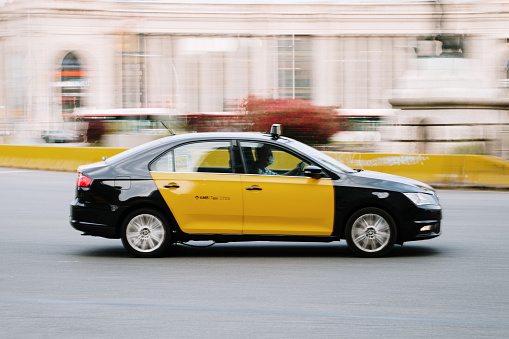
370,232
146,233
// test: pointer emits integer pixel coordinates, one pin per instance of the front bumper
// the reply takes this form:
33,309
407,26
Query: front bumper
425,223
427,229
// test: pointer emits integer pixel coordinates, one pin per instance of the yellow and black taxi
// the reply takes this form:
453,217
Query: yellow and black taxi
227,187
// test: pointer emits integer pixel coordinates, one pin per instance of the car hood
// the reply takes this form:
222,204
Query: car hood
387,181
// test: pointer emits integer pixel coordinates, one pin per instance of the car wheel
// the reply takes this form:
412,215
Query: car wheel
146,233
370,232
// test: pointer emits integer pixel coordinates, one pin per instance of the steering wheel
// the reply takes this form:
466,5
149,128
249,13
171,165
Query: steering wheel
300,169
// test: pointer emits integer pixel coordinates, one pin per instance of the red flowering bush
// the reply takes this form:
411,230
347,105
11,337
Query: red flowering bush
299,119
95,131
210,122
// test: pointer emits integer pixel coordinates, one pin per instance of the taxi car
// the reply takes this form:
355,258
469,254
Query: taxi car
227,187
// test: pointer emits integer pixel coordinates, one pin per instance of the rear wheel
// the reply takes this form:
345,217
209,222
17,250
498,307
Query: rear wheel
370,232
146,233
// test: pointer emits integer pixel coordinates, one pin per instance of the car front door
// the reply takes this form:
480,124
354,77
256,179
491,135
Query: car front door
198,183
279,199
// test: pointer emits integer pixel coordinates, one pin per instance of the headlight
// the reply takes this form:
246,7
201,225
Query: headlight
422,198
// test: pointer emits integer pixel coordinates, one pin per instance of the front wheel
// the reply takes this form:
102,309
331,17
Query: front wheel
370,232
146,233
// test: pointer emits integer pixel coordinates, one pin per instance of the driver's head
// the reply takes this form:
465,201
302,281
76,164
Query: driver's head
264,155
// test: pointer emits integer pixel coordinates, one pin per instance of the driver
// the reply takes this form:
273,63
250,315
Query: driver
264,158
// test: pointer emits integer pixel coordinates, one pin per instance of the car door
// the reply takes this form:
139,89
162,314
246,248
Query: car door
280,200
197,182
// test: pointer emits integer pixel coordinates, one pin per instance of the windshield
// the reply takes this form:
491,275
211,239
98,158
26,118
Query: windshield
330,162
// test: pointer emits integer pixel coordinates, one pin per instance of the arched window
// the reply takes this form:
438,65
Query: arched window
72,83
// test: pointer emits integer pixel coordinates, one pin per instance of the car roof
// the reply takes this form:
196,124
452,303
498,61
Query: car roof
178,138
182,138
216,135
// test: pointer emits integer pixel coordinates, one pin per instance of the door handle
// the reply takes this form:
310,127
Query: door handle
254,188
171,186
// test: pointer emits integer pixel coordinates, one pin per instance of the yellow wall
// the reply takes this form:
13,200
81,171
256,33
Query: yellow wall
52,158
435,169
450,170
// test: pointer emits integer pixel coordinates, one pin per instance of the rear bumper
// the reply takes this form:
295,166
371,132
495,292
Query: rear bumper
98,230
93,221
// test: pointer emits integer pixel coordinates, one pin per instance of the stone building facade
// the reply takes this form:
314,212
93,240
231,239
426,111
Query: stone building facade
61,56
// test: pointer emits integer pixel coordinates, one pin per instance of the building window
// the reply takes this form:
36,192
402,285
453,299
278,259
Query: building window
133,71
294,67
507,74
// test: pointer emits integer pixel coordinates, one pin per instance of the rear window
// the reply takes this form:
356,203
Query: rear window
205,156
133,151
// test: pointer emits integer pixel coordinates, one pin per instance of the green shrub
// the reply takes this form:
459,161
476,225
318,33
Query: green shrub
476,148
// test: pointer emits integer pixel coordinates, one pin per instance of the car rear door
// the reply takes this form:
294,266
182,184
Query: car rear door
198,183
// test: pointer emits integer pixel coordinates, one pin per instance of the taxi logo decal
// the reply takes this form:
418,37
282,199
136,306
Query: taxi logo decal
211,197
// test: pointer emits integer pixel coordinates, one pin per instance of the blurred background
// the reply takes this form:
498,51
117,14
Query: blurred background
401,76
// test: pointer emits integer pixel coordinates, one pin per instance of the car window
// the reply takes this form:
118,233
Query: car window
266,159
164,163
207,156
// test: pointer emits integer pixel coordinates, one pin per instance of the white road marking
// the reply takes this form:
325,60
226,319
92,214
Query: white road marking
9,172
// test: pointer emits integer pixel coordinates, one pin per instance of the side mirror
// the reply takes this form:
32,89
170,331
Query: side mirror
314,172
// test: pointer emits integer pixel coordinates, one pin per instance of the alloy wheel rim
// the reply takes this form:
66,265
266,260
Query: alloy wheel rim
145,233
371,232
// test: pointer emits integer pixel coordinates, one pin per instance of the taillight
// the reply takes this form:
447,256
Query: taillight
83,180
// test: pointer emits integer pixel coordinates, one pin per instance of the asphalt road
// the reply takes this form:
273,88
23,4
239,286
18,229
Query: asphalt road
54,283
